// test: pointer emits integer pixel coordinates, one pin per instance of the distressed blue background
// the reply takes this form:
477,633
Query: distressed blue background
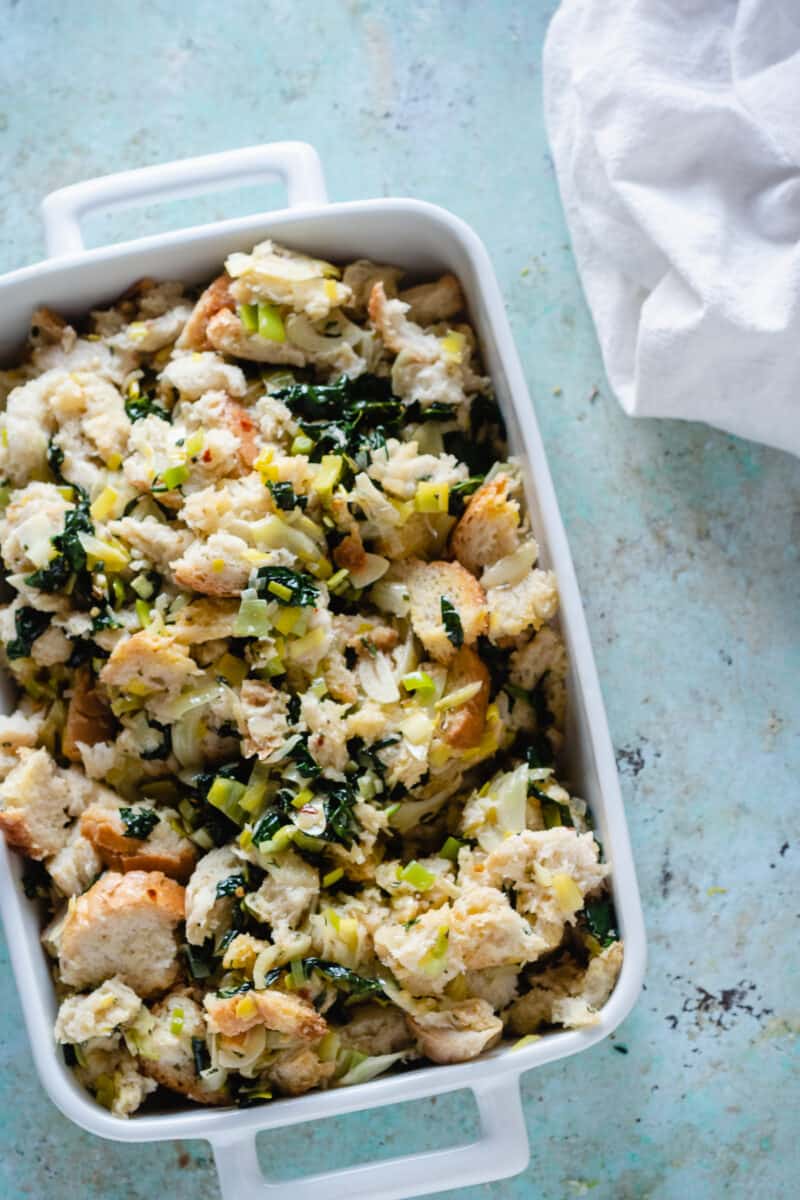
685,542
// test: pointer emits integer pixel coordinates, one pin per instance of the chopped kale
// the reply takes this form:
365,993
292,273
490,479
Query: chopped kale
105,619
538,751
341,417
200,1054
164,748
268,824
30,624
368,757
199,959
601,920
479,446
342,825
438,411
236,990
460,493
356,985
285,496
139,822
553,813
452,623
294,588
145,405
83,651
55,461
302,756
35,881
293,709
231,886
68,567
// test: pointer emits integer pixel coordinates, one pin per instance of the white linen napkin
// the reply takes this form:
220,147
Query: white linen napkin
675,130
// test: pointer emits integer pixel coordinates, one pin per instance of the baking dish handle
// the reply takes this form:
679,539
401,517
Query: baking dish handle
296,163
500,1151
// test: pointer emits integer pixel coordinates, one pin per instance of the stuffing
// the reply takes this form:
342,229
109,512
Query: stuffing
485,931
153,333
100,1014
498,986
204,621
38,801
519,608
153,541
18,730
420,955
115,1077
326,722
428,368
160,849
263,723
489,527
429,303
89,719
124,925
31,520
283,277
296,666
429,584
76,866
194,374
543,658
206,912
214,299
462,725
218,567
289,889
361,276
399,468
149,662
167,1048
566,994
293,1072
373,1030
552,871
281,1011
227,335
456,1033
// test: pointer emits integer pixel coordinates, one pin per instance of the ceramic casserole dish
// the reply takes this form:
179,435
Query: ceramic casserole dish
423,239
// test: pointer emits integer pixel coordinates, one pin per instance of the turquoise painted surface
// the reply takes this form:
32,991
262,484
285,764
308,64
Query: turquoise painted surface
685,541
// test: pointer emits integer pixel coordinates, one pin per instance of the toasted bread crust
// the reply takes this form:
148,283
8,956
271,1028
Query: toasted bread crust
214,299
292,1015
462,727
487,529
89,718
105,829
428,583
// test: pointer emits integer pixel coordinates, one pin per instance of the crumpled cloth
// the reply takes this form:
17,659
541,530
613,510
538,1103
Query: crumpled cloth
675,131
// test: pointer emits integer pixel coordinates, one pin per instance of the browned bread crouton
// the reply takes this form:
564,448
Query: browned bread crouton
462,726
285,1013
428,585
124,925
163,850
168,1052
38,800
89,718
488,528
432,302
214,299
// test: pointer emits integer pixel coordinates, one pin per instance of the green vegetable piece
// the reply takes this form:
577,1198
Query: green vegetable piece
294,588
30,624
451,848
248,315
225,794
270,323
139,822
284,496
421,684
231,886
420,878
140,406
601,920
173,477
452,623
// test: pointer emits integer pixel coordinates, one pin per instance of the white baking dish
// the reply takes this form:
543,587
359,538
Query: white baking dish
426,239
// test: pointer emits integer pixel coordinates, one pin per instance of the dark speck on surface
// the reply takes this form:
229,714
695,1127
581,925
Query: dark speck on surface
630,760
